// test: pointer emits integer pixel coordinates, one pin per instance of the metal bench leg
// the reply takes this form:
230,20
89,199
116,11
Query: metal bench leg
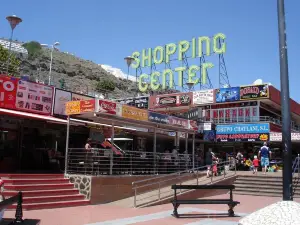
175,212
230,210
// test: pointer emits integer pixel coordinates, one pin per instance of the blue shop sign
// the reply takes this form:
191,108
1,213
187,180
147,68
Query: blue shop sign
158,118
258,128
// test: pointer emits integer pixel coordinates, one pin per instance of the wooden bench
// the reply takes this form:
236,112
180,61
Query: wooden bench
176,202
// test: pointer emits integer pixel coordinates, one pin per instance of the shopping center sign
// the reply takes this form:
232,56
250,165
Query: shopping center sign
162,54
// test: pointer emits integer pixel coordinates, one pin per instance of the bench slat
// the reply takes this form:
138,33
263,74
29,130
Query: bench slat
205,201
175,186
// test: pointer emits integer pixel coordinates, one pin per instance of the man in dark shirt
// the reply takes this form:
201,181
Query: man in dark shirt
264,153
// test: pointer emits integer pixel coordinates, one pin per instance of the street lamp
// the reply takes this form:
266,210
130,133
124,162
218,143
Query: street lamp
287,178
129,61
51,58
13,21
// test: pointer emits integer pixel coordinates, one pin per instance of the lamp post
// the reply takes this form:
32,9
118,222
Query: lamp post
129,61
13,21
51,58
285,103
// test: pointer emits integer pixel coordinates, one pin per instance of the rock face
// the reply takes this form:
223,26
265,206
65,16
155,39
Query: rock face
80,75
280,213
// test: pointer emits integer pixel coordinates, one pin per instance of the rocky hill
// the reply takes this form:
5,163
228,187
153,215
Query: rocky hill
79,75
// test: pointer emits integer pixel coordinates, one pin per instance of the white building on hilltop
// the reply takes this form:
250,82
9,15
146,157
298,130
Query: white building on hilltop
16,47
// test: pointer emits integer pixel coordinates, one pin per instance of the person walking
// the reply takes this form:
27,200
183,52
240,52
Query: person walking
264,153
210,157
255,163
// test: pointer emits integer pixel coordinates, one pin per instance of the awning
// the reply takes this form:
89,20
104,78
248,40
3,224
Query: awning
33,116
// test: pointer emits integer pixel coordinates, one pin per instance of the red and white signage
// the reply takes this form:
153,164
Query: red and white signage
8,91
178,122
105,106
34,97
277,137
239,114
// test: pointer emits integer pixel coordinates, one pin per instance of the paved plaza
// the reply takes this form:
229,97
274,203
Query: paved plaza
116,215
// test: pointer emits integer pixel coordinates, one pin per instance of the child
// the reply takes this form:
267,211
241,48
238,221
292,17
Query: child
255,163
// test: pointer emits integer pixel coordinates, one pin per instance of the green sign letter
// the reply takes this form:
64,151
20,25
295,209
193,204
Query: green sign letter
183,47
200,45
164,78
161,54
147,57
143,86
180,75
204,68
136,63
154,82
170,50
192,73
219,48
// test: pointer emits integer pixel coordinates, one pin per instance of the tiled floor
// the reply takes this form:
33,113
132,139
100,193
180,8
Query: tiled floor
116,215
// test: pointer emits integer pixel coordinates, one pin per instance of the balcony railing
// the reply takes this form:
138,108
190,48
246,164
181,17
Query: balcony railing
254,119
108,162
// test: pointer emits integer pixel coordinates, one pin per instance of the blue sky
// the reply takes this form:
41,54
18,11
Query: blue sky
107,31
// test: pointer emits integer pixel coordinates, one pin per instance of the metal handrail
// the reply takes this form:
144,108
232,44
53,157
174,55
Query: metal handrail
175,177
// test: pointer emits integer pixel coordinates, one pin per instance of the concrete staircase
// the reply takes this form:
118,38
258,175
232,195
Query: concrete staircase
43,191
262,185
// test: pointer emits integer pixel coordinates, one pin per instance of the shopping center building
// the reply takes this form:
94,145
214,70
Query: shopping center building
235,118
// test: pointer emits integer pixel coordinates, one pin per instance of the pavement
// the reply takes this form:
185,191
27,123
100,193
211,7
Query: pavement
117,215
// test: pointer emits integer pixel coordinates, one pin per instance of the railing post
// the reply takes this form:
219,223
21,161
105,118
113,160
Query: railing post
212,173
134,199
298,165
234,167
197,177
224,170
158,190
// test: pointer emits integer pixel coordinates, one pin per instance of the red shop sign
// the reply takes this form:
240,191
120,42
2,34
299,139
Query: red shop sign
8,91
87,106
107,107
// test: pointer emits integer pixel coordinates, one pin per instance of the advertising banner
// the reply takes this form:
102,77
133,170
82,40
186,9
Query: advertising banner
73,108
170,100
231,94
277,137
60,100
254,92
158,118
78,97
178,122
238,114
259,128
34,97
87,106
138,102
8,92
203,97
242,137
107,107
134,113
193,125
209,135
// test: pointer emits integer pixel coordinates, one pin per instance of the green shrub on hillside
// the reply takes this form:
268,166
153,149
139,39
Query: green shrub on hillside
34,49
14,62
105,85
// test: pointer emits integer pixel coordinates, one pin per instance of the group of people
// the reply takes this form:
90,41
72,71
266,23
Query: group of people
262,159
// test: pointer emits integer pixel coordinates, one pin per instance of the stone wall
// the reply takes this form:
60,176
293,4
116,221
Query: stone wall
82,183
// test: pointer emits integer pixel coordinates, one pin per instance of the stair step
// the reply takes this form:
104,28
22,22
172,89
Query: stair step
51,205
31,176
36,181
257,193
38,187
44,193
49,199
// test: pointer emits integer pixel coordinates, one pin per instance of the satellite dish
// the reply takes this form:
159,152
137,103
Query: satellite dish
258,81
